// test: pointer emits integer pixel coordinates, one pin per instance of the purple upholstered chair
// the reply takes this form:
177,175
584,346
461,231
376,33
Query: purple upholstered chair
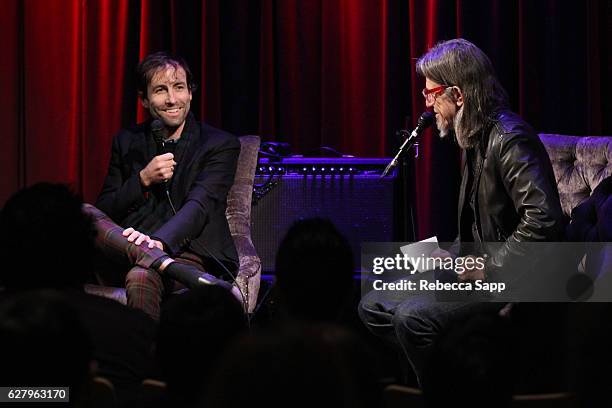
579,163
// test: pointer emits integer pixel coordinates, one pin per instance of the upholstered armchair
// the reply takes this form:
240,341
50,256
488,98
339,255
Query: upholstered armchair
579,163
239,218
238,214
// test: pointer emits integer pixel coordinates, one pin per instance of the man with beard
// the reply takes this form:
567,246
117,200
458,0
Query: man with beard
166,186
508,196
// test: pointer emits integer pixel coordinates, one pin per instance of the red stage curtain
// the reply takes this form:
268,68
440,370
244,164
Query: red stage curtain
337,73
11,107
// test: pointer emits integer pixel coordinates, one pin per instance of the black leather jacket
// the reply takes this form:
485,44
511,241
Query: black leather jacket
516,197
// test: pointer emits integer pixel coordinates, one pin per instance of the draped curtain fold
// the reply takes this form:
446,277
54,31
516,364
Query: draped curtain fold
336,73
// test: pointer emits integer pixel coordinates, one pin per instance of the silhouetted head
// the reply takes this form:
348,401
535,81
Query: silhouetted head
194,329
314,365
314,270
45,239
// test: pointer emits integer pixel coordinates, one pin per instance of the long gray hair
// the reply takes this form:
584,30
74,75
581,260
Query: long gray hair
460,63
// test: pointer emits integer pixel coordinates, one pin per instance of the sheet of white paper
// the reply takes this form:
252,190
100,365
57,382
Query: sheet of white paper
420,249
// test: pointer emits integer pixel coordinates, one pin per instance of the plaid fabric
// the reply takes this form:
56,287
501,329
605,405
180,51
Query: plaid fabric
113,244
145,287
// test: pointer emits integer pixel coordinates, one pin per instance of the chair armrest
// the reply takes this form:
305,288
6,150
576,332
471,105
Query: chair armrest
248,280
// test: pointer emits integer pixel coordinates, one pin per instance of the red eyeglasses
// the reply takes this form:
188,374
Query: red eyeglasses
430,95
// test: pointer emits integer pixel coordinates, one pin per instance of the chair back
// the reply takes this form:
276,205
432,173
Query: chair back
553,400
238,215
101,393
579,163
400,396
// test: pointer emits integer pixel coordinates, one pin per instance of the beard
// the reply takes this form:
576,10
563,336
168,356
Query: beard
464,139
443,128
446,128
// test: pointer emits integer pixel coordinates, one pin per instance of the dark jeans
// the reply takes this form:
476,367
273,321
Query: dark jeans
412,320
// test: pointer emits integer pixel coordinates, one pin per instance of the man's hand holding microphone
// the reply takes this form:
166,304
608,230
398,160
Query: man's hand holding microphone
159,170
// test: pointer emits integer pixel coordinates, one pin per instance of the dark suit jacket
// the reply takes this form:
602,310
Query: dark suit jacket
207,159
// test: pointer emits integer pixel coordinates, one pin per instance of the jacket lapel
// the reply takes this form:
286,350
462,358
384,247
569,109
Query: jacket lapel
184,152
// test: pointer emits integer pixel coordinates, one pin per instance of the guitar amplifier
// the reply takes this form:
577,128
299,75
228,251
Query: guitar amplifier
348,191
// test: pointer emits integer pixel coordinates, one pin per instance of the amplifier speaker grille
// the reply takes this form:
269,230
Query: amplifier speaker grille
360,205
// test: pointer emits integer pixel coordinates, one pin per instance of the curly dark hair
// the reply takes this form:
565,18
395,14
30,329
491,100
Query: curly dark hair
152,63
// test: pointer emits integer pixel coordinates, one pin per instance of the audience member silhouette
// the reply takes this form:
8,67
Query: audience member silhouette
43,343
471,365
47,242
314,272
45,239
313,365
194,329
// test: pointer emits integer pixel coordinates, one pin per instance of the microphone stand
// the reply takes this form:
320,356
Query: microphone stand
408,143
425,120
405,188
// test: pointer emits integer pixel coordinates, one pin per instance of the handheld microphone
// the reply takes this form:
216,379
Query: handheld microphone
160,134
425,120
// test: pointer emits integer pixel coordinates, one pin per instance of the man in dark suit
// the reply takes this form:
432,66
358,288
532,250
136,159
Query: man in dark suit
167,186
